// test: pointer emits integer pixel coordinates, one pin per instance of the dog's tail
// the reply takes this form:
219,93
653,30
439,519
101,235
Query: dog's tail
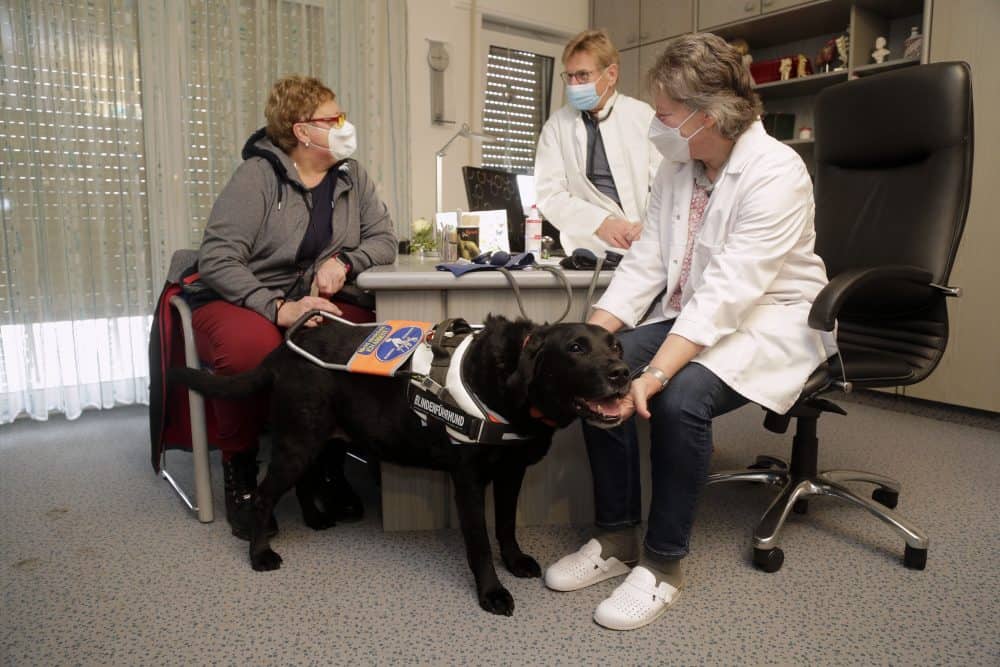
223,386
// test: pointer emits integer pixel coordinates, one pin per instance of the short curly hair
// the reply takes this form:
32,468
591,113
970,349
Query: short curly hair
703,72
293,99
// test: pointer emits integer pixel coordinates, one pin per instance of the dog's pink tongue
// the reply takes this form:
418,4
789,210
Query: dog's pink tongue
608,406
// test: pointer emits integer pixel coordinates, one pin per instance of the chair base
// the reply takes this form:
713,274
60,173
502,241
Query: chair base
799,481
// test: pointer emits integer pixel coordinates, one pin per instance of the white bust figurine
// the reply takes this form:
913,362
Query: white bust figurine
880,53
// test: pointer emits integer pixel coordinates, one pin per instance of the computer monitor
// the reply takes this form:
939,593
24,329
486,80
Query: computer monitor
490,189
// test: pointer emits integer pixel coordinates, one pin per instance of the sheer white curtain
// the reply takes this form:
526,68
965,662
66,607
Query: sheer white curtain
75,282
103,173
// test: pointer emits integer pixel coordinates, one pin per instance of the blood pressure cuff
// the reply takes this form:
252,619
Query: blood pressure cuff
583,259
490,261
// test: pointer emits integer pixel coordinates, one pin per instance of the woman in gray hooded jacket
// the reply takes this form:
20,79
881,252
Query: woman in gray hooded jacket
296,222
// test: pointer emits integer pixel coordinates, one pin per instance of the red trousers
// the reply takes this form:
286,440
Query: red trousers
230,340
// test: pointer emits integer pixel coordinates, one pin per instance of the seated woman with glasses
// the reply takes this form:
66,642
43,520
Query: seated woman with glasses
298,219
594,163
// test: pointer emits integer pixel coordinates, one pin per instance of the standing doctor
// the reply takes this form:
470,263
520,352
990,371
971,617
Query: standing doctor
728,242
594,162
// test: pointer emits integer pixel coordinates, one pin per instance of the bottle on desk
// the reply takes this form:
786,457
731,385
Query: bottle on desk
533,232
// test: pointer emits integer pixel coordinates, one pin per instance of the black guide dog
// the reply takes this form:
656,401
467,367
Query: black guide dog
538,377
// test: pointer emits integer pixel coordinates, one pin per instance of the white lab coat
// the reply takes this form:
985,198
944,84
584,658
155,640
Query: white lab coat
567,198
754,274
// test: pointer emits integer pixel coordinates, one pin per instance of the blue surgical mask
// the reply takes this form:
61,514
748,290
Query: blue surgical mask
583,96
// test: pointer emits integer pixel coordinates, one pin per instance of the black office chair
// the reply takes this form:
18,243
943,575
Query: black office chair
893,177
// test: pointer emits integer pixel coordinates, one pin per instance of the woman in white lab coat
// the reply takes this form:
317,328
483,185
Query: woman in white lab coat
594,163
715,295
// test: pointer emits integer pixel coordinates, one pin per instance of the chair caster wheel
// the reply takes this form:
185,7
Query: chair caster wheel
768,560
801,506
915,559
888,498
765,462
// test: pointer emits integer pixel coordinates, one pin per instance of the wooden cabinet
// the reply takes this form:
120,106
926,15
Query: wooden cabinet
647,58
628,73
662,19
712,13
633,22
620,18
966,30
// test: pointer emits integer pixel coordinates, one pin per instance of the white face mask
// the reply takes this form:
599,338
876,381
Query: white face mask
668,140
341,142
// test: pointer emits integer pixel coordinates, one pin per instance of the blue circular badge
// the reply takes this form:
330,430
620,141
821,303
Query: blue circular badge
398,343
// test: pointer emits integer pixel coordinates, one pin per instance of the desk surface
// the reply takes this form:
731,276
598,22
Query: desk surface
411,272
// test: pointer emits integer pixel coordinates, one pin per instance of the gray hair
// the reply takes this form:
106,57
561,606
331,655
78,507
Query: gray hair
703,72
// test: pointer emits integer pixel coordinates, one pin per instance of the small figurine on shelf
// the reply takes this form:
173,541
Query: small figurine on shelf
880,53
913,45
824,60
803,68
842,43
785,68
805,133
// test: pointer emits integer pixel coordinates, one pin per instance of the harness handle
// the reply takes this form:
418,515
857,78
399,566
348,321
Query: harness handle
292,330
555,271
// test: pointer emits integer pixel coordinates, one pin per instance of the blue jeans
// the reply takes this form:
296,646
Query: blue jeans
680,449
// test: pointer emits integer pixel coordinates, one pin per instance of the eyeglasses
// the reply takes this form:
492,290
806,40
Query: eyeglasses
580,76
336,122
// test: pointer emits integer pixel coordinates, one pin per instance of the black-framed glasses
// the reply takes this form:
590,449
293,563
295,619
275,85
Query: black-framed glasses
579,76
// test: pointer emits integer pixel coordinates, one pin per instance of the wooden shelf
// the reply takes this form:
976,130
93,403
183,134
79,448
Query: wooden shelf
889,65
772,28
800,87
796,143
892,9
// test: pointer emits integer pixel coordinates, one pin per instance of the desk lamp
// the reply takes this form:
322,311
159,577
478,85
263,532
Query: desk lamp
464,131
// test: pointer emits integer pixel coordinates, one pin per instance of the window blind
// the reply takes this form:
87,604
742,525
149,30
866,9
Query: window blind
518,94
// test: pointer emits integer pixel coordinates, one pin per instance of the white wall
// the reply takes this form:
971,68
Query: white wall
452,22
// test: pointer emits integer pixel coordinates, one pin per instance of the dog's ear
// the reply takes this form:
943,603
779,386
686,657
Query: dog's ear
531,353
495,321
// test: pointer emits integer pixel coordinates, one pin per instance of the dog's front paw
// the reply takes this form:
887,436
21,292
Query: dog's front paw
498,601
265,561
523,566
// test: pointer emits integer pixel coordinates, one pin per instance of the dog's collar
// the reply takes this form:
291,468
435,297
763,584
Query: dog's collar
540,416
467,419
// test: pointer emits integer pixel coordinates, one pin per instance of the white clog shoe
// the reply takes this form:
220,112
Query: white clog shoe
637,602
583,568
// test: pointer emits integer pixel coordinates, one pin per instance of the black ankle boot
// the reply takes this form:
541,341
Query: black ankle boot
240,474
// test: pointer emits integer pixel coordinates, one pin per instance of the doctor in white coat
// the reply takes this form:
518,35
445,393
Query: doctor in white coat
594,162
725,269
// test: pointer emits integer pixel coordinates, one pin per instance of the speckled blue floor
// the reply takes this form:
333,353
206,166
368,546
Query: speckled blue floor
100,565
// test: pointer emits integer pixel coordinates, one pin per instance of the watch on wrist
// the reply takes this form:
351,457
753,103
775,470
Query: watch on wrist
659,375
343,262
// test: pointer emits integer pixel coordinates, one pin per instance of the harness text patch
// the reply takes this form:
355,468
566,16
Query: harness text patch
387,347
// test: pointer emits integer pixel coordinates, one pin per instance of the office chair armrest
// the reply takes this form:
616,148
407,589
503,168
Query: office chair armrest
826,307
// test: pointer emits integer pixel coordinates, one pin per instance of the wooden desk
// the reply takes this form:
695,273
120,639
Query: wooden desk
558,490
